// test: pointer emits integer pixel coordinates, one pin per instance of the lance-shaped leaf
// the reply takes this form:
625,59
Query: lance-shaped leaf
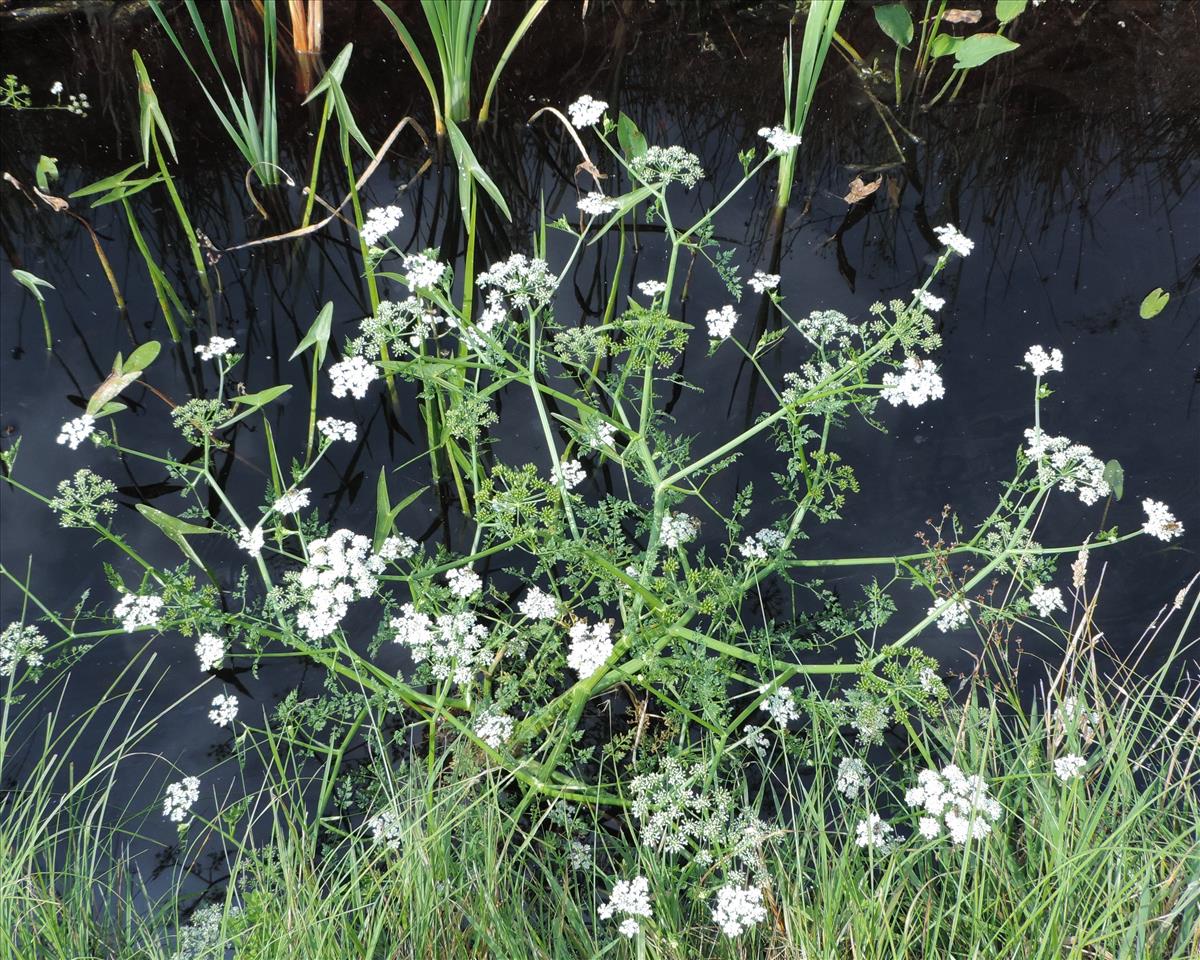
385,513
123,373
177,531
151,114
633,143
47,170
255,401
1114,476
468,170
318,335
31,283
331,85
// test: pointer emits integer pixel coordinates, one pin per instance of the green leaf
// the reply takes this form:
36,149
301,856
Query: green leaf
142,357
630,137
893,19
1154,303
47,170
318,335
256,400
151,115
979,48
1114,476
177,531
112,386
468,167
1007,10
383,508
943,45
31,283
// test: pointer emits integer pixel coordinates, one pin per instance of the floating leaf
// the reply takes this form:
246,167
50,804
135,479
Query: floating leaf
979,48
1007,10
894,20
1154,303
962,16
1114,476
860,190
318,335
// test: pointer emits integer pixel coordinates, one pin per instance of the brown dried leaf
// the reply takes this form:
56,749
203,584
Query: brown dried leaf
962,16
860,190
893,193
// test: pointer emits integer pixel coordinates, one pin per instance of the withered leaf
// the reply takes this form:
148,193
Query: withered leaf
893,192
860,190
962,16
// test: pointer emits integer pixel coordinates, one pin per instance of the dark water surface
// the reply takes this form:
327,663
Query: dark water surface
1073,164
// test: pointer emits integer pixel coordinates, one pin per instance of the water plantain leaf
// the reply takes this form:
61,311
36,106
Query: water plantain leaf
943,45
177,531
331,85
894,20
31,283
630,137
151,114
123,373
117,187
260,399
979,48
385,513
47,170
469,168
318,335
112,386
1114,476
142,357
1154,303
1007,10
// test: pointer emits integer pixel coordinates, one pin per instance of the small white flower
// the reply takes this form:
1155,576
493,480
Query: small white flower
526,281
379,222
738,909
1069,767
1046,600
292,502
224,709
927,300
387,829
952,614
631,898
569,473
762,282
463,582
251,540
873,832
56,88
352,375
929,827
494,729
1041,362
629,927
179,798
136,611
423,272
1160,522
677,529
950,237
780,139
597,204
210,650
781,705
20,642
721,322
216,347
852,777
74,432
397,548
761,545
652,288
603,434
586,112
538,605
591,646
333,429
667,164
918,384
952,799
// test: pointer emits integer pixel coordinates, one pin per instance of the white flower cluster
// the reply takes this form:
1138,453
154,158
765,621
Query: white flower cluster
224,709
852,777
952,614
1160,522
569,474
591,646
177,803
759,546
332,429
597,204
135,612
918,384
1078,470
78,104
762,282
251,540
602,434
738,908
721,322
1045,600
666,165
453,643
958,801
951,237
353,375
20,642
586,112
423,272
74,432
340,568
1041,362
216,347
652,288
928,301
379,222
526,281
538,605
1069,767
874,832
677,529
56,88
781,705
780,139
822,328
494,729
210,650
387,829
397,548
292,502
631,898
464,582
